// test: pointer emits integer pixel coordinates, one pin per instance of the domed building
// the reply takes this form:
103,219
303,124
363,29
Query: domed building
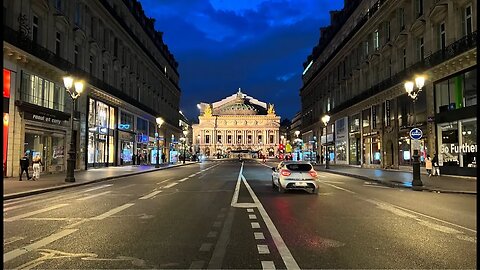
238,123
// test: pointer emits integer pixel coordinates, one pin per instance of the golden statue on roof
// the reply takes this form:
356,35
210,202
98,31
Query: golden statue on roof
270,109
208,111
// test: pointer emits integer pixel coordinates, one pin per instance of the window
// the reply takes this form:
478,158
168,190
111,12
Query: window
260,139
35,26
443,36
366,114
401,18
115,47
376,120
78,14
271,141
58,5
456,92
142,126
420,49
126,121
386,113
387,31
58,43
219,138
418,8
92,26
207,139
75,52
229,139
467,20
91,64
42,92
376,43
239,139
404,58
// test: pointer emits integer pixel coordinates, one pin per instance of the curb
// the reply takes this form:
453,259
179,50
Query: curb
48,189
395,185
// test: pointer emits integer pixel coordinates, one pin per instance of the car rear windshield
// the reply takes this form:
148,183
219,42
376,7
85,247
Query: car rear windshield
299,167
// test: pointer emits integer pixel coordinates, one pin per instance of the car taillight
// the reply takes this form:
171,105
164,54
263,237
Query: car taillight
313,173
285,172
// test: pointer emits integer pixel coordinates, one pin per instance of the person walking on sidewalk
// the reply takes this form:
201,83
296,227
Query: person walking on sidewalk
37,161
436,167
24,164
428,165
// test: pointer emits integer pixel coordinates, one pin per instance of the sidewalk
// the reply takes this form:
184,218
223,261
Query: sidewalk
396,178
12,188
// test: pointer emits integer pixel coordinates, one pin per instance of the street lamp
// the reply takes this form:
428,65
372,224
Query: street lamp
74,93
413,93
185,132
325,120
159,124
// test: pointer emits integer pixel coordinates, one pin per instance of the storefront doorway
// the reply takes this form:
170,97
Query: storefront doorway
50,146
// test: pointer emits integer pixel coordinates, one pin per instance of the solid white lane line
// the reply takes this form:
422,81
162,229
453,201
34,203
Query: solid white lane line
237,187
252,216
375,186
113,211
12,239
282,248
35,212
42,242
192,175
170,185
259,236
93,196
183,179
250,210
268,265
255,225
99,187
349,191
148,196
263,249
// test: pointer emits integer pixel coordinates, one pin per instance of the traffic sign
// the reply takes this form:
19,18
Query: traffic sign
416,134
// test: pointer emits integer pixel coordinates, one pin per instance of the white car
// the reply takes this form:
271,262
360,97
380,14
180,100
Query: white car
295,175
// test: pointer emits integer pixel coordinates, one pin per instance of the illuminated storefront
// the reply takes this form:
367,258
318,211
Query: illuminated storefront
101,134
6,117
456,106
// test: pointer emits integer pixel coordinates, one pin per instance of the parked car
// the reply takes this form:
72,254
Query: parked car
295,175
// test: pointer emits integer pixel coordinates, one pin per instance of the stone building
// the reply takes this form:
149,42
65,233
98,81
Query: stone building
238,122
129,74
356,74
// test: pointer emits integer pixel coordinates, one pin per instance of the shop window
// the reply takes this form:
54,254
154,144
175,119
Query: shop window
354,123
126,121
470,88
142,126
448,142
442,36
366,120
468,146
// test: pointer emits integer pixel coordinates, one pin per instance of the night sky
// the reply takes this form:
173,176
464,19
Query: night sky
257,45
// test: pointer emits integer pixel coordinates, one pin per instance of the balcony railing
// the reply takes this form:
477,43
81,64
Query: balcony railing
15,38
460,46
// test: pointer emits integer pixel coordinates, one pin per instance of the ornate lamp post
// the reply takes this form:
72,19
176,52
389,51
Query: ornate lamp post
74,93
413,93
159,121
185,132
325,120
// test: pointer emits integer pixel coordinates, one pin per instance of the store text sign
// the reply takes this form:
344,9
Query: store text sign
42,118
464,148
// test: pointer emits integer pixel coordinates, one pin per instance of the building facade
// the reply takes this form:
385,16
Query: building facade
238,122
130,79
357,71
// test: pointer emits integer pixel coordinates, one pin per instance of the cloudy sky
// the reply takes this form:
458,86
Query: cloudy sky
257,45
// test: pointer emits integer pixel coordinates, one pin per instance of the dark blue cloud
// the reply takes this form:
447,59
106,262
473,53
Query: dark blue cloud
257,45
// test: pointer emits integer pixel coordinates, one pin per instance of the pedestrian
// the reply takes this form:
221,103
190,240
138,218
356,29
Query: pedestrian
24,164
436,167
37,162
163,157
428,165
318,158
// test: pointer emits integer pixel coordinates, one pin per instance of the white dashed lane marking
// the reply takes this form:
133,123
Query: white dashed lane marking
263,249
252,216
255,225
268,265
259,236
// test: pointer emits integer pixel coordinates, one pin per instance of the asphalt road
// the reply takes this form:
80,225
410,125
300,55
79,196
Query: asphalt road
225,215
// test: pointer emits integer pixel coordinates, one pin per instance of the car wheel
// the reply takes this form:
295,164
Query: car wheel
280,188
315,191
